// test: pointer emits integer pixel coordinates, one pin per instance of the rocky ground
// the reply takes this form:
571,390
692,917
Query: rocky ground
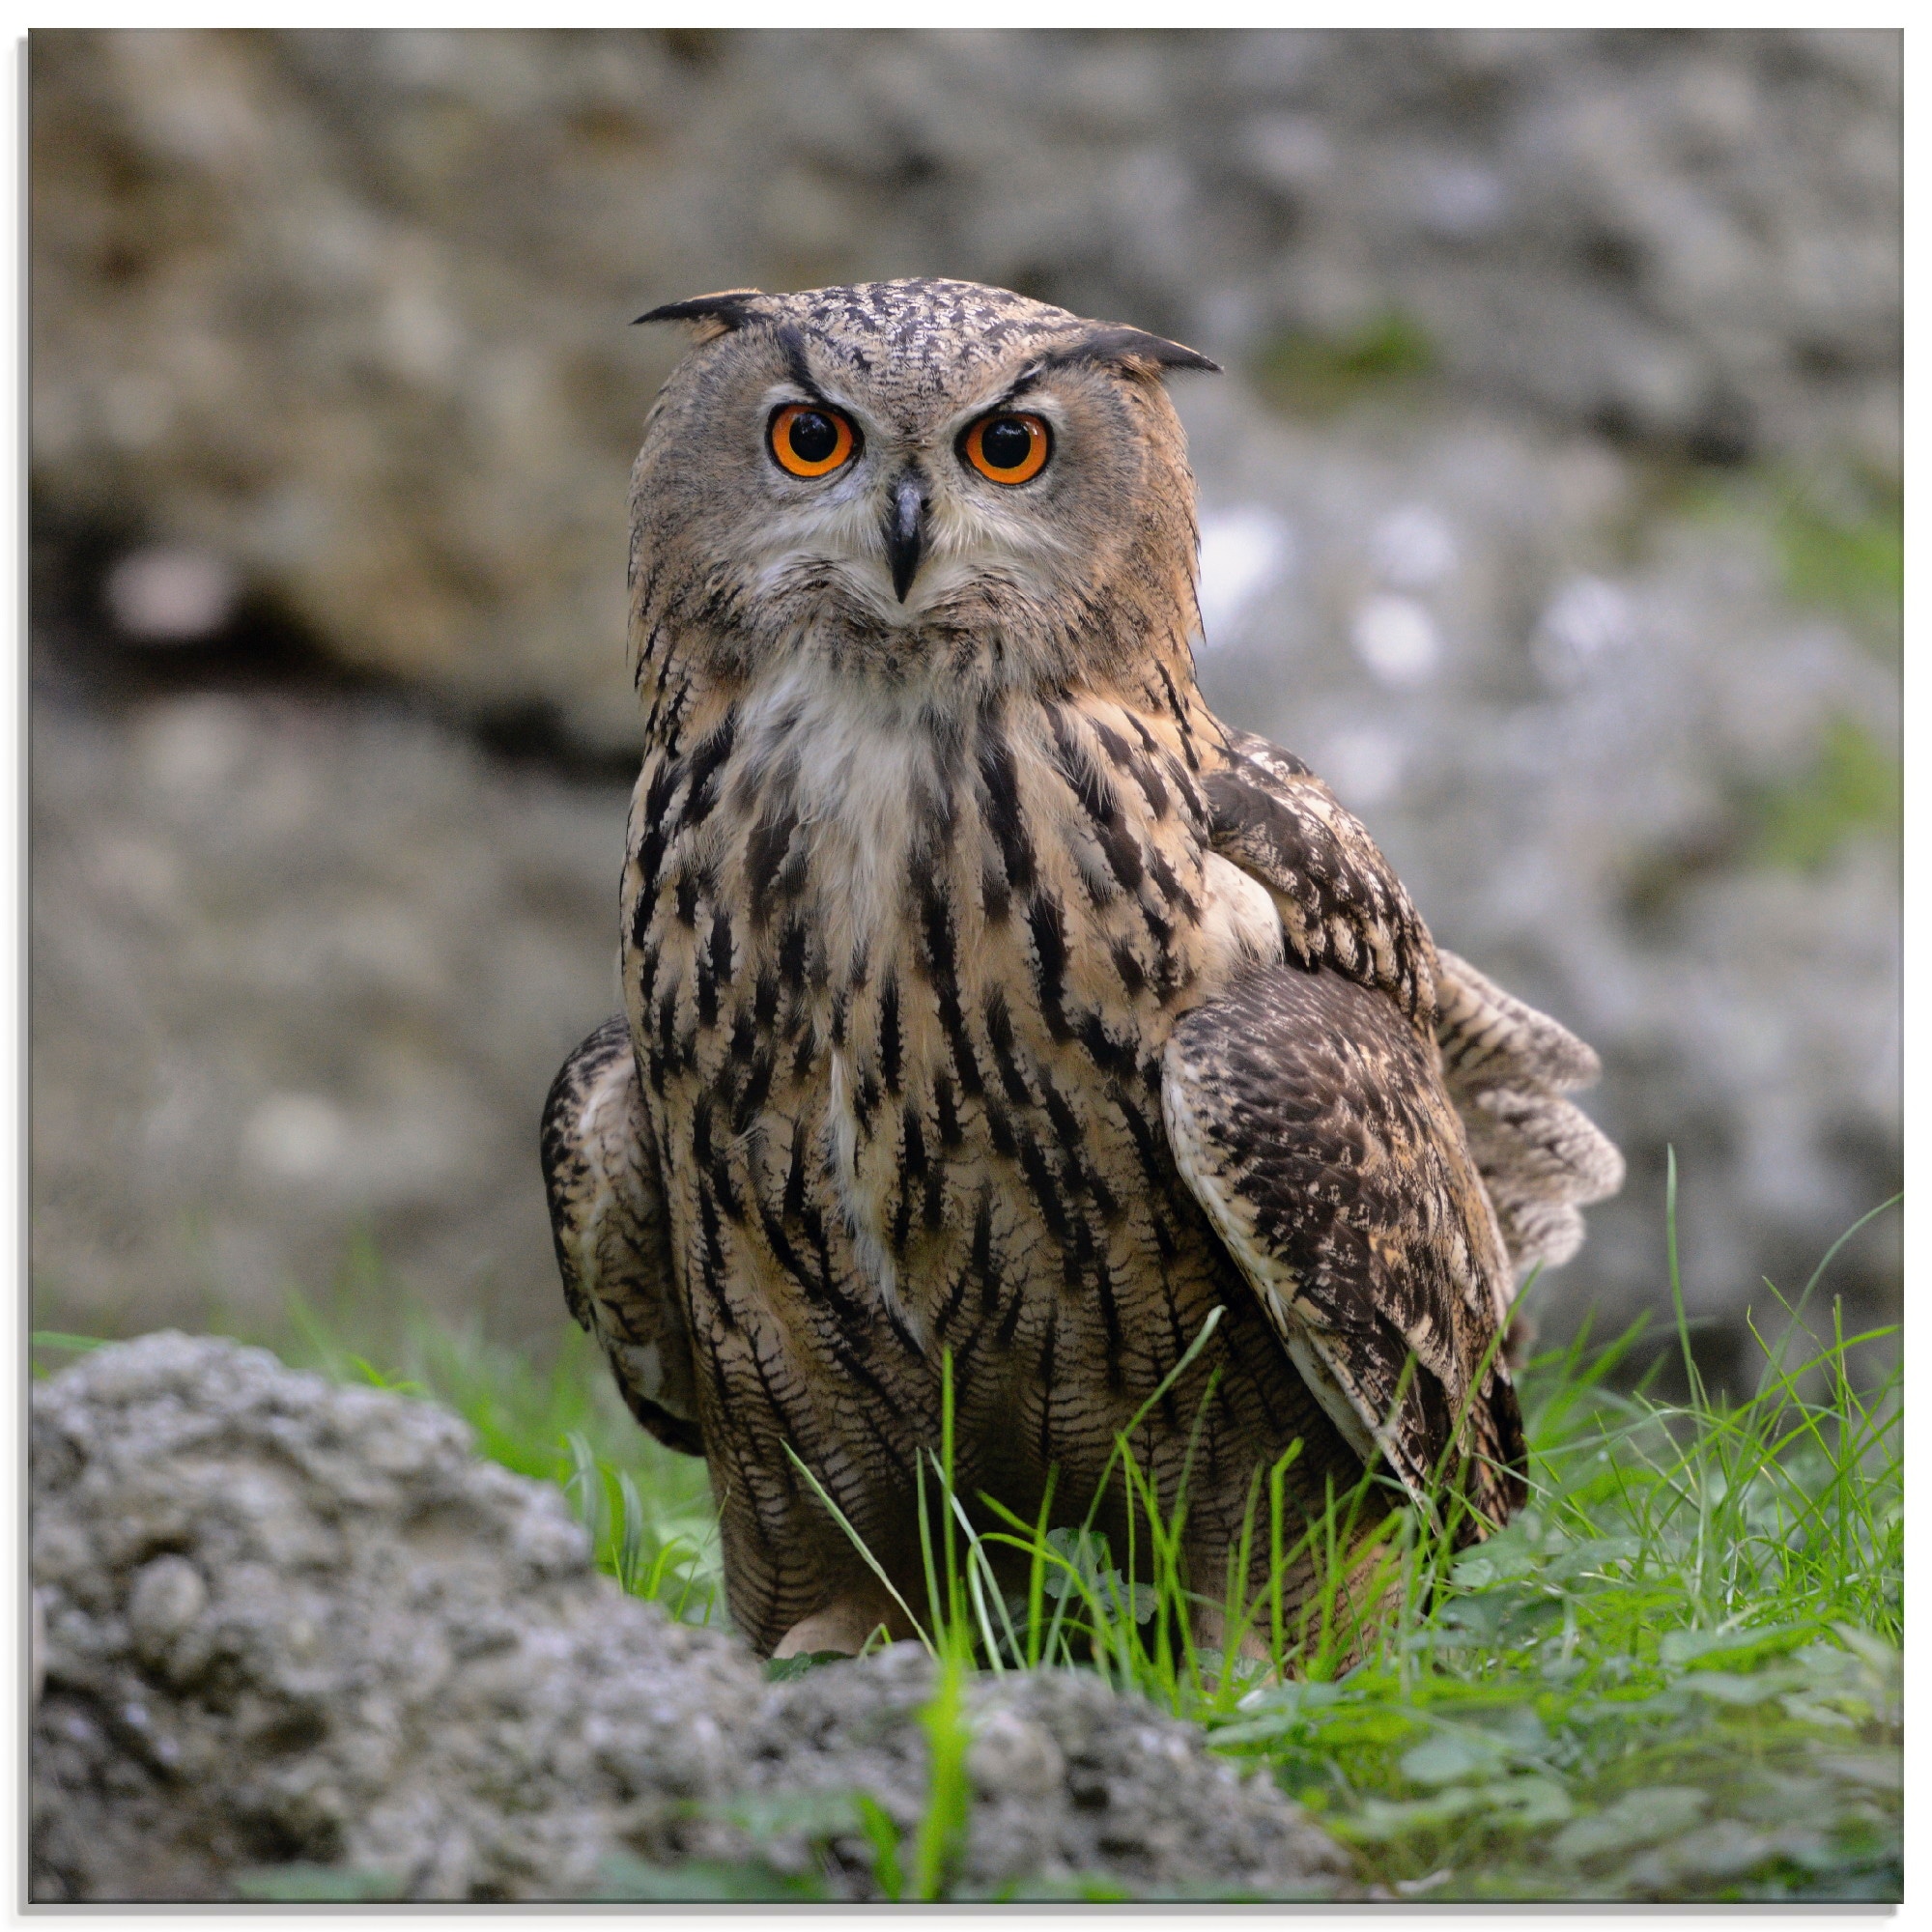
297,1642
1550,510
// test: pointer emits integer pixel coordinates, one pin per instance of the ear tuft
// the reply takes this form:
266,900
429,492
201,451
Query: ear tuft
708,316
1111,342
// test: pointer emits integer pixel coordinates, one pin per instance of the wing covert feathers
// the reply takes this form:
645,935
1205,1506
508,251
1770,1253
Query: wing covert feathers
1340,904
1309,1120
606,1216
1506,1066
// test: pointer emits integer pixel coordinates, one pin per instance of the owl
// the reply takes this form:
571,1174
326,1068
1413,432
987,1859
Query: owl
990,1003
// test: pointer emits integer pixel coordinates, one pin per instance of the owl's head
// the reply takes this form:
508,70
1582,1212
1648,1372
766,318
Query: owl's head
913,478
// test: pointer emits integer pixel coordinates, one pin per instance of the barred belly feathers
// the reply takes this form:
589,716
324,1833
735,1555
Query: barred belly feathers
985,996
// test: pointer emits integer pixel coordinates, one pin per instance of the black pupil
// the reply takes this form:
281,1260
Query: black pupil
1005,443
812,436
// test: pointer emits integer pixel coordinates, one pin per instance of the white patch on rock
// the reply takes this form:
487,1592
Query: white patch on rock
1414,547
1364,766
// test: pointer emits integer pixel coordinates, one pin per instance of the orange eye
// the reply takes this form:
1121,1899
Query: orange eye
1008,448
811,441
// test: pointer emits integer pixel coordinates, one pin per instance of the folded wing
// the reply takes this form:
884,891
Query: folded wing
1308,1118
607,1215
1380,1135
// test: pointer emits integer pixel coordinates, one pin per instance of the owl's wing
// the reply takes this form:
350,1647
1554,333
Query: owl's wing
1324,1137
1506,1066
1307,1115
607,1213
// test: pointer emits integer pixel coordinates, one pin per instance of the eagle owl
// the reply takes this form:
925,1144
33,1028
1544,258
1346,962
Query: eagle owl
984,993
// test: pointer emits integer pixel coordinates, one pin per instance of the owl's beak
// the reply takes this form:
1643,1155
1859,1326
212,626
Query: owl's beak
905,531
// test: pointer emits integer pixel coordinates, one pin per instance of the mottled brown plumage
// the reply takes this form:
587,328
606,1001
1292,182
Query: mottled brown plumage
985,994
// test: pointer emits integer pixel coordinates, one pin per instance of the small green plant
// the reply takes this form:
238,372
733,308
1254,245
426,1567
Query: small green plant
948,1737
1852,784
51,1348
627,1879
665,1559
300,1883
1845,549
1310,373
1836,533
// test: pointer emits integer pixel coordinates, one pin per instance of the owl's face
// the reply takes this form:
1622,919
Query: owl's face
911,476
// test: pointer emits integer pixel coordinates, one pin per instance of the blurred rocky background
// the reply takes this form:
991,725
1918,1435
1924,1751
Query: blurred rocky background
1550,509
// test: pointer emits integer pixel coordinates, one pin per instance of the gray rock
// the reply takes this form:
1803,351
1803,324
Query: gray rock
291,1625
1070,1780
290,1622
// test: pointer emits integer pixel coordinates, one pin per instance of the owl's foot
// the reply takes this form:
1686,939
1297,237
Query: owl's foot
1210,1632
845,1623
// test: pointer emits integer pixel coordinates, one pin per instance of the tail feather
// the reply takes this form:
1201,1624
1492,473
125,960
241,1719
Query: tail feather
1541,1159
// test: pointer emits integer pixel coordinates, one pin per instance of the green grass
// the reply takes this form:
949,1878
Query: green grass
1675,1675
